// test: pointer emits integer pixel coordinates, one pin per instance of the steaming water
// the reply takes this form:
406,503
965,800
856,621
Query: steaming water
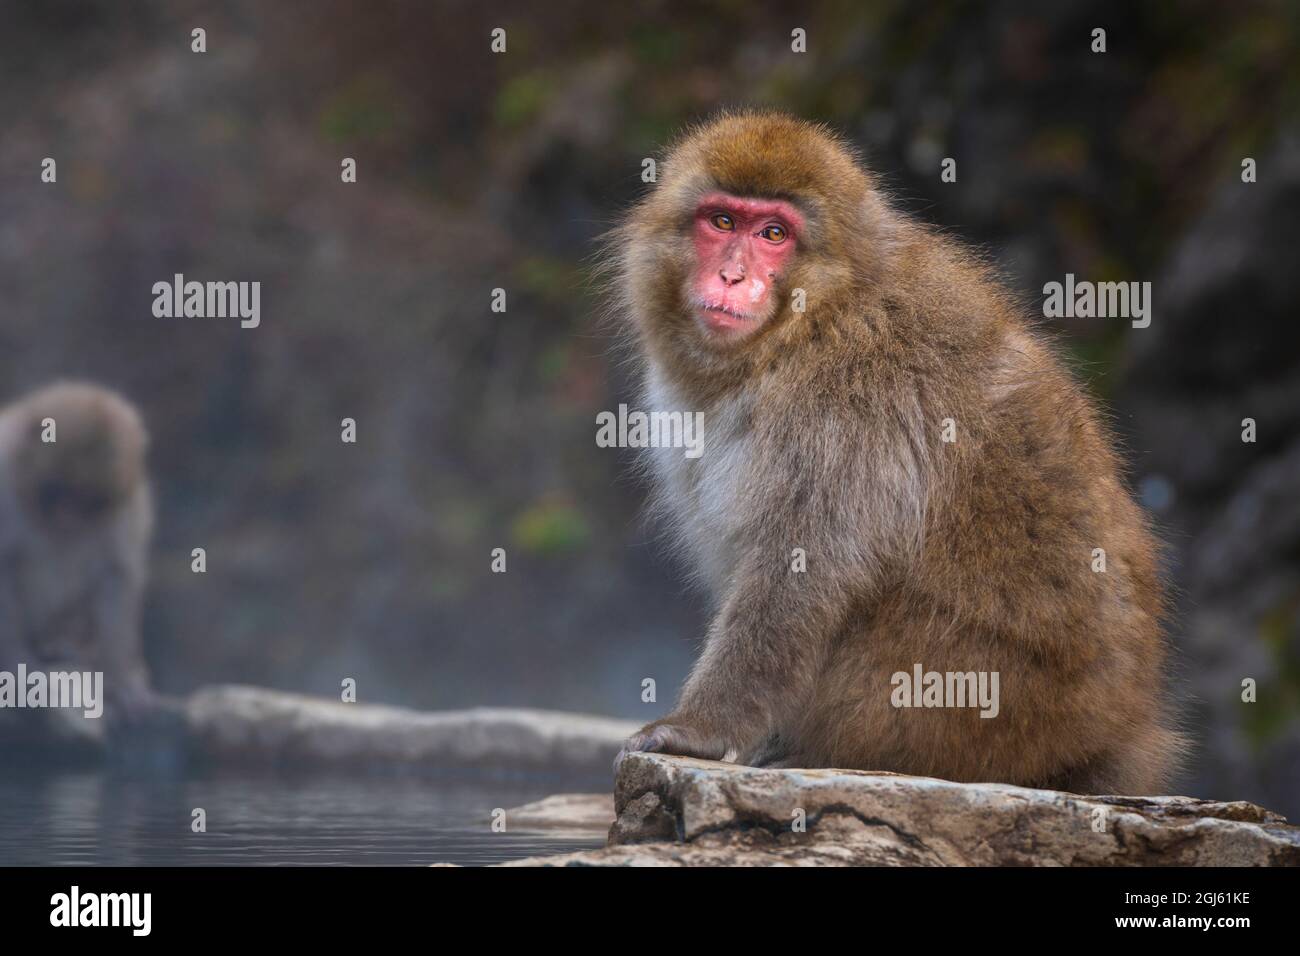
114,817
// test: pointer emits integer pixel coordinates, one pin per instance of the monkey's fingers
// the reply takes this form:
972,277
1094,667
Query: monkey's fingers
637,743
682,740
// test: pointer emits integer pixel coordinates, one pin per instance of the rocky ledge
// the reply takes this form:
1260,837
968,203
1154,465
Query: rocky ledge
675,811
252,725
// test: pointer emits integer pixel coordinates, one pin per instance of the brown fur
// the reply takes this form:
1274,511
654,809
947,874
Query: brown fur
822,431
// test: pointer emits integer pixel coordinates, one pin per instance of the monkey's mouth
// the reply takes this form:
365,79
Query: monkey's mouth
719,316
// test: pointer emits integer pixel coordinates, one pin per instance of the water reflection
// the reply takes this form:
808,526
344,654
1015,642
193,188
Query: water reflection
128,819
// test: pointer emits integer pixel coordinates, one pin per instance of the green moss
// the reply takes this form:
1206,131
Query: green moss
551,279
1277,702
366,110
658,46
523,98
550,528
552,363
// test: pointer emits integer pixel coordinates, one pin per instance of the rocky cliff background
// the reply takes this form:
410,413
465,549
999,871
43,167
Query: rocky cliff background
476,429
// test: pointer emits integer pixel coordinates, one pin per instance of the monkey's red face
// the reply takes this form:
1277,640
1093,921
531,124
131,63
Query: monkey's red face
742,247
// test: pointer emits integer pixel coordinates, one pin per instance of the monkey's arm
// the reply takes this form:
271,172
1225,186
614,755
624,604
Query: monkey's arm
849,493
764,651
116,620
117,604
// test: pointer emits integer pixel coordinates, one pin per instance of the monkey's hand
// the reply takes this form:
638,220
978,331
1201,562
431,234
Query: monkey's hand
678,734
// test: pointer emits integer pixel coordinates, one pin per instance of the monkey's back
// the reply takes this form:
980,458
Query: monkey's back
1035,564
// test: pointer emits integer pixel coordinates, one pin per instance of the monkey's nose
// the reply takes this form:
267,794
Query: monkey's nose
732,272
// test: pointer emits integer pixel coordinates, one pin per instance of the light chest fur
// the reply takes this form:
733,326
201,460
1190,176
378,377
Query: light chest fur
698,497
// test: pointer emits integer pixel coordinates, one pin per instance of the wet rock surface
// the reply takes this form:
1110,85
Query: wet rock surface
576,812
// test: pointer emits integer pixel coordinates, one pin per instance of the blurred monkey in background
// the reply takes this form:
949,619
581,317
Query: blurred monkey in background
75,521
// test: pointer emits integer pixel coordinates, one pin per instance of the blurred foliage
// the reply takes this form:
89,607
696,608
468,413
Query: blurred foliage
549,528
1278,703
522,98
365,112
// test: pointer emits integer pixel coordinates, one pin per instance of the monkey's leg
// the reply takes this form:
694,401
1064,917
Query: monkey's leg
1140,766
117,646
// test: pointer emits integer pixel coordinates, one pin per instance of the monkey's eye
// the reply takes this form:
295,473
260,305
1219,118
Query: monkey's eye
723,221
774,233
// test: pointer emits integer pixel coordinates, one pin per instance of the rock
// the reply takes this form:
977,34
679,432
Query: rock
675,811
237,724
577,812
644,818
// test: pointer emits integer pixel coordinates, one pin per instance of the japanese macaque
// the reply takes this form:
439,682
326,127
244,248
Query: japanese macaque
75,521
897,477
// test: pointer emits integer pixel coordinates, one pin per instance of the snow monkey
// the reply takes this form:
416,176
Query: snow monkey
75,520
902,496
